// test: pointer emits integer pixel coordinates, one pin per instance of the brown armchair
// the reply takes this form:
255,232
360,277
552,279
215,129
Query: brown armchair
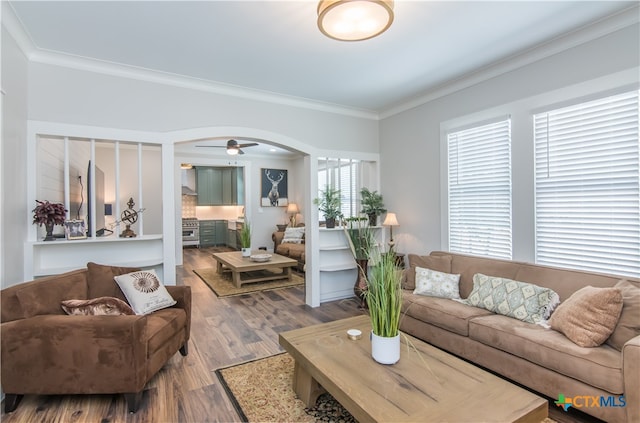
294,251
46,352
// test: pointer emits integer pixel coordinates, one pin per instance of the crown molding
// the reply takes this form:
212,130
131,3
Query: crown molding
16,29
584,34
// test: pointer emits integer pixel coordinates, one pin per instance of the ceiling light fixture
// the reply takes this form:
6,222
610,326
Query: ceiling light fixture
354,20
233,151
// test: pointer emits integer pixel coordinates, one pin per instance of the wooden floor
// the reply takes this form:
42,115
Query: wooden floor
224,332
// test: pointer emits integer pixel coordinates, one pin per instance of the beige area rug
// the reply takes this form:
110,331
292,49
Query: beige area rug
223,286
261,392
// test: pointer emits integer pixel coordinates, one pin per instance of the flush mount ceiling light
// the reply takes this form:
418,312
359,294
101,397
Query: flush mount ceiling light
354,20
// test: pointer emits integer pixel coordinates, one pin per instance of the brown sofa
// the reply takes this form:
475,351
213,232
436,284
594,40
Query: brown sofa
294,251
542,359
45,351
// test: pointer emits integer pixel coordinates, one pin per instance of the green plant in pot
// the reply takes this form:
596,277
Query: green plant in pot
329,205
384,298
245,239
49,214
372,205
364,248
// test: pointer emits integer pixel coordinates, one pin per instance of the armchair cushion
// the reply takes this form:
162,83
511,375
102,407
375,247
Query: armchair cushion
101,282
44,297
293,236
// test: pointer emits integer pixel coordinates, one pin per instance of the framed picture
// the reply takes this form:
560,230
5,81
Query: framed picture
274,188
75,229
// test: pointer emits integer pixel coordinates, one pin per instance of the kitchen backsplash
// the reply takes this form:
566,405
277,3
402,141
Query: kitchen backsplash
189,204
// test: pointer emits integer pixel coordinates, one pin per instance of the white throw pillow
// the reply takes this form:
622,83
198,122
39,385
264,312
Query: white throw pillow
144,291
293,235
436,284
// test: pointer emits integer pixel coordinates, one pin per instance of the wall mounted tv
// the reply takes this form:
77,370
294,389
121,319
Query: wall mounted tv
98,186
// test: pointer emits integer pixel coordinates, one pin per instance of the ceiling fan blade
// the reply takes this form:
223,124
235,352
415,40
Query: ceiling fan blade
240,151
252,144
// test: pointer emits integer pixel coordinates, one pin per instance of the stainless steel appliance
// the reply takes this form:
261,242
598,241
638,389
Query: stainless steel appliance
190,231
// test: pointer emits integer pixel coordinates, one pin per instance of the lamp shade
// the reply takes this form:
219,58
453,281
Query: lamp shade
292,208
390,220
354,20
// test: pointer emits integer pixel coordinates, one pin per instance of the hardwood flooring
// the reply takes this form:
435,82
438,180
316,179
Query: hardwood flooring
224,332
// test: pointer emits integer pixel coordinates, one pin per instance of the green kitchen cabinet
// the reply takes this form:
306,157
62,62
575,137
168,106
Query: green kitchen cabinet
213,232
220,186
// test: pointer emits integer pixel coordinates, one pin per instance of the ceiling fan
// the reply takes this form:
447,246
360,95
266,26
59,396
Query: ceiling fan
232,147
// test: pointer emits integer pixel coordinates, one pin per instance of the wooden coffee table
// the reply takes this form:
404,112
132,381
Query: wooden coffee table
452,390
254,271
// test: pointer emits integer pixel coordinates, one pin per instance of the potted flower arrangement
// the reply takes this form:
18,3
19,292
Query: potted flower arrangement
384,298
363,244
49,214
372,205
329,205
245,239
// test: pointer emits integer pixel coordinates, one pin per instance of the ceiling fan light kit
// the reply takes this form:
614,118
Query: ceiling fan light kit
354,20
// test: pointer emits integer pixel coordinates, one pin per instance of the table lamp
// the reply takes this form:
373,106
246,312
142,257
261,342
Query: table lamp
390,220
292,209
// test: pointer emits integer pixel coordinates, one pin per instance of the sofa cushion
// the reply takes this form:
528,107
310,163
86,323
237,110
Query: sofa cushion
162,326
467,266
44,297
144,291
629,322
589,316
442,312
102,306
436,284
600,367
101,282
437,263
294,251
520,300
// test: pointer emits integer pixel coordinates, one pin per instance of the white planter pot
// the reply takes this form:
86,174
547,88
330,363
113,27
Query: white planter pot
246,252
385,350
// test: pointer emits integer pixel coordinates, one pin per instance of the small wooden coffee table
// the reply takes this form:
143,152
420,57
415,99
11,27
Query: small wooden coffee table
254,271
427,384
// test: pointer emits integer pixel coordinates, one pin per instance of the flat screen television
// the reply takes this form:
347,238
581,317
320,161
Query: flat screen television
98,186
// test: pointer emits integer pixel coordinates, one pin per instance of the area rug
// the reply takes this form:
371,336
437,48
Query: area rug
223,286
261,392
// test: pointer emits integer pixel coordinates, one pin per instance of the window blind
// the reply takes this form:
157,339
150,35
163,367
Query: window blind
342,174
587,186
479,185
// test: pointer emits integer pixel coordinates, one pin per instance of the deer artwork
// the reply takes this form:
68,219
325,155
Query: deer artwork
274,195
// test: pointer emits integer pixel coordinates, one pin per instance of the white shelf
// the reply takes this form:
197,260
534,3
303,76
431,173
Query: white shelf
337,267
334,247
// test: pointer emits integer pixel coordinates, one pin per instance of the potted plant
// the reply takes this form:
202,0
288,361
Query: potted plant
245,239
49,214
329,205
384,298
372,205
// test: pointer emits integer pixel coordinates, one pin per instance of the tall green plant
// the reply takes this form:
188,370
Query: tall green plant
245,235
384,296
361,238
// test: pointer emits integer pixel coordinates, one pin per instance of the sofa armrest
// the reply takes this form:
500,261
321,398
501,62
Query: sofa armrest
182,294
630,371
60,354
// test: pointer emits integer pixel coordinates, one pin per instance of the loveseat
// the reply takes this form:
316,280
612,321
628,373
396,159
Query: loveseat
295,251
47,352
530,354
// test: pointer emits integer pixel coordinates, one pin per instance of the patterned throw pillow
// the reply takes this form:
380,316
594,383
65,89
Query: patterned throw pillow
144,291
523,301
293,236
102,306
436,284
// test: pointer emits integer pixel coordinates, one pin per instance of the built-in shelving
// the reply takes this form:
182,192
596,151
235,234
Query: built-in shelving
44,258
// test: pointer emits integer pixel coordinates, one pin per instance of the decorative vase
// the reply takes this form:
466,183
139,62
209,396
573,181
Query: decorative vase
361,281
385,350
331,223
49,228
246,252
373,220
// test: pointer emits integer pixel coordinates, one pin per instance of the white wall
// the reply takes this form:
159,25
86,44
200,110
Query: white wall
15,210
412,177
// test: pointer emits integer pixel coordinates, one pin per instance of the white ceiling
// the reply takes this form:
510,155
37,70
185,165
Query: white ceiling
275,46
